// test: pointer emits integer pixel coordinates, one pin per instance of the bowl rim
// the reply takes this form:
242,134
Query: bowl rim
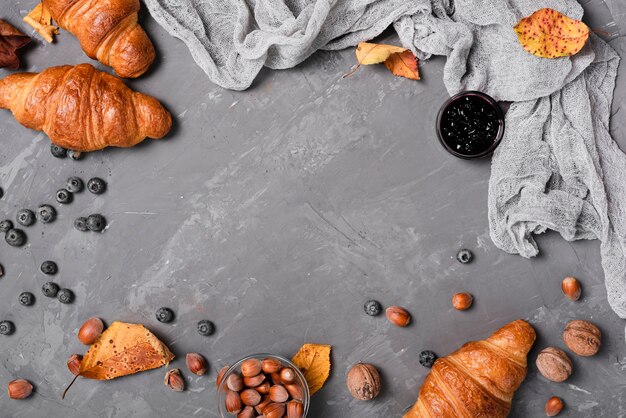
306,401
489,100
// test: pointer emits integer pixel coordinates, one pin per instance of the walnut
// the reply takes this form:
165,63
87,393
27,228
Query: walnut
363,381
582,337
554,364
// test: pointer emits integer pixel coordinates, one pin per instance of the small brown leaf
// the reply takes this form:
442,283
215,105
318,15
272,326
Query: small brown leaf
403,64
11,39
400,61
41,20
313,360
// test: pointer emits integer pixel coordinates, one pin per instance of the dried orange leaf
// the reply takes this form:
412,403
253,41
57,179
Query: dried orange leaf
313,360
550,34
403,64
11,39
367,53
41,20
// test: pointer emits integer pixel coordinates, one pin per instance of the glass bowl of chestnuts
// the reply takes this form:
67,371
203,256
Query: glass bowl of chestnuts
263,384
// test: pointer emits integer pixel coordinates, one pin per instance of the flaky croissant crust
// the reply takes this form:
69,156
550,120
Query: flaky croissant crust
108,31
83,109
479,379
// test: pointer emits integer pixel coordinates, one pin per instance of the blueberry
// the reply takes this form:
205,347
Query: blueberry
15,237
46,214
64,196
75,185
373,308
25,217
464,256
6,328
49,267
5,225
96,222
427,358
65,296
26,298
206,328
164,315
74,155
57,151
50,289
96,185
81,224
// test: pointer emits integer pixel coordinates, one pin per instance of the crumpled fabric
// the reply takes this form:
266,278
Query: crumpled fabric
557,166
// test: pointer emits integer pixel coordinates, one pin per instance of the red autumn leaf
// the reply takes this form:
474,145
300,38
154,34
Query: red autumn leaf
11,39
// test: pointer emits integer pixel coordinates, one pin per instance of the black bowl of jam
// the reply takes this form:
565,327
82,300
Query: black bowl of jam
470,125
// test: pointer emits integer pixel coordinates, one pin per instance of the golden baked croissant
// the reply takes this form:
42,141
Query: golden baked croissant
83,109
479,379
108,31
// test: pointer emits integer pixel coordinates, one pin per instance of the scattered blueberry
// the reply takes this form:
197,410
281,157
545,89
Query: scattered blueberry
50,289
64,196
49,267
164,315
75,185
206,328
27,298
25,217
57,151
74,155
5,225
96,185
46,214
6,328
427,358
464,256
96,222
373,308
65,296
81,224
15,237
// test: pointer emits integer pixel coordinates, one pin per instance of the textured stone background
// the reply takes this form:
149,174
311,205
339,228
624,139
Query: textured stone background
276,213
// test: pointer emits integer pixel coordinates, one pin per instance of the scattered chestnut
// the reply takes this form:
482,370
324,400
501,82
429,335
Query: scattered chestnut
73,364
20,389
251,367
174,380
287,375
571,288
90,330
462,301
398,316
196,363
554,406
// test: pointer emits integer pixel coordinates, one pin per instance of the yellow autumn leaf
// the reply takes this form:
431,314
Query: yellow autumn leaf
313,360
368,53
550,34
41,20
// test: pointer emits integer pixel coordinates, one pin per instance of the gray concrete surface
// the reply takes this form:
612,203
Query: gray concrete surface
276,213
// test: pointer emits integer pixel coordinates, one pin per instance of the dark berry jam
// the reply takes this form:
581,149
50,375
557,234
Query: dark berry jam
470,125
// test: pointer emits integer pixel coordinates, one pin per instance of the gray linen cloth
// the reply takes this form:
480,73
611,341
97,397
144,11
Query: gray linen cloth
557,167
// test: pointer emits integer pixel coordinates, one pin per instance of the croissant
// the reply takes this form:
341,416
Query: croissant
83,109
479,379
108,31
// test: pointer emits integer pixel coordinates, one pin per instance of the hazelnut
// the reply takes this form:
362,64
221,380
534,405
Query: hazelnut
264,402
174,380
554,406
196,363
271,365
247,412
276,378
274,410
462,301
74,363
234,382
90,331
220,375
251,367
20,389
287,375
554,364
254,381
582,337
250,397
295,391
295,409
398,316
278,394
263,388
233,402
571,288
363,381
